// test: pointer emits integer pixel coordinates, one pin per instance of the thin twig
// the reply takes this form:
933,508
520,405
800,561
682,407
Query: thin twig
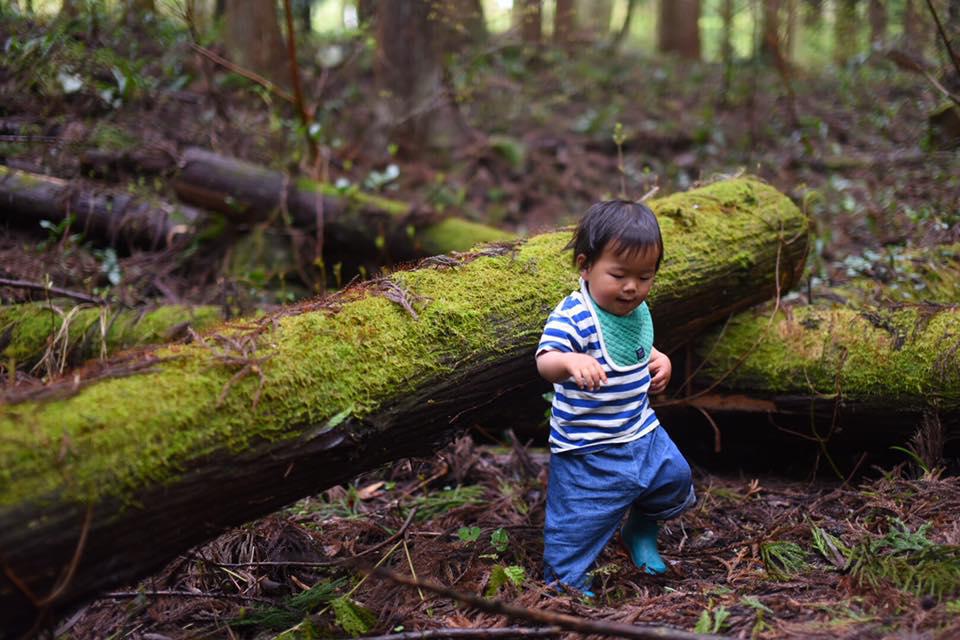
189,594
295,80
475,634
944,37
572,623
246,73
39,286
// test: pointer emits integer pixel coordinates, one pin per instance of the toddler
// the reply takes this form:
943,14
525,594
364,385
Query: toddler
608,454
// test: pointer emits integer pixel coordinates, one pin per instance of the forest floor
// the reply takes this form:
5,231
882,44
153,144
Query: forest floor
759,556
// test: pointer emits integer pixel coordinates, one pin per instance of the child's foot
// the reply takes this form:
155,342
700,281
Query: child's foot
640,538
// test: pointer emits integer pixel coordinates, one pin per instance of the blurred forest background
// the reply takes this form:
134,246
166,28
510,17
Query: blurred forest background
168,164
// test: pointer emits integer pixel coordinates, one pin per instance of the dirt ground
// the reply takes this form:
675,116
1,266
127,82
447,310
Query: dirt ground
876,555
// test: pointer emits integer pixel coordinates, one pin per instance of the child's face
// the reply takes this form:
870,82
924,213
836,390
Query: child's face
620,282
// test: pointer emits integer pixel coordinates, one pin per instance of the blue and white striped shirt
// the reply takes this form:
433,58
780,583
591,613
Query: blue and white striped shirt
619,411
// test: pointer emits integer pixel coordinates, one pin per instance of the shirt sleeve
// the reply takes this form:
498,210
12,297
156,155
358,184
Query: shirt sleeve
564,330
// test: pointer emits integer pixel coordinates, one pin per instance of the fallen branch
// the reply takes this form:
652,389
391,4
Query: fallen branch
562,620
49,288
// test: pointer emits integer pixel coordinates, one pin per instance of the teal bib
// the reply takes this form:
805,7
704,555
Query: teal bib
628,339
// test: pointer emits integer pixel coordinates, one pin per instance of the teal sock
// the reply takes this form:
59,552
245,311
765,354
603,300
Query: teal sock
640,537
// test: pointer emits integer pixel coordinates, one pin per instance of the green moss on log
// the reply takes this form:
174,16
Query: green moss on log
28,331
118,436
903,357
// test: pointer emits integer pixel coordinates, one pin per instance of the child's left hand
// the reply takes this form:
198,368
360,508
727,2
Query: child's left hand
660,370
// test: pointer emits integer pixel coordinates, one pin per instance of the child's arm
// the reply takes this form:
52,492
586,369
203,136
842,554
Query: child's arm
556,366
660,370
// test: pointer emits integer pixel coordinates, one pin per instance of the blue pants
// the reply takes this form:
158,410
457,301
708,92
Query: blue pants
589,492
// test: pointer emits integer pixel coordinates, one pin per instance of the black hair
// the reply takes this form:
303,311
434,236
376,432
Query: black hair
631,226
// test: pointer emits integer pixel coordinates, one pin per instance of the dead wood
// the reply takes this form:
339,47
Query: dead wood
118,218
349,219
259,414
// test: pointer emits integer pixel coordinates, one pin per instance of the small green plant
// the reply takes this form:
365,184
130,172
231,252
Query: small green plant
352,617
760,624
831,547
501,575
292,609
783,559
56,232
500,540
712,620
908,560
468,535
432,505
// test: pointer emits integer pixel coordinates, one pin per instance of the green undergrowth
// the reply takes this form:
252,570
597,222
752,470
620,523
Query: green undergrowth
301,374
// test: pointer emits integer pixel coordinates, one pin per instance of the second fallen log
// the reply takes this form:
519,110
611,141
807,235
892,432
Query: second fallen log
353,220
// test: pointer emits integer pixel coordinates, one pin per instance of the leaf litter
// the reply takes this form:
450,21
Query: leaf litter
756,557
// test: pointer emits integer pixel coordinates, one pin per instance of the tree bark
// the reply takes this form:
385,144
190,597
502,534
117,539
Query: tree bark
253,40
679,30
416,106
878,24
354,223
461,24
845,45
134,470
564,22
120,219
59,334
770,44
593,17
528,15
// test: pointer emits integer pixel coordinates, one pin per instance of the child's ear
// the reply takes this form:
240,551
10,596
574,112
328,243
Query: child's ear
581,263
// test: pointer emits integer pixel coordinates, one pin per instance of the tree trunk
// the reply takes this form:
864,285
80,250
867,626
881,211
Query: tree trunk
624,30
461,24
878,24
726,47
50,337
593,17
253,40
770,44
69,9
564,22
195,438
353,223
417,105
913,40
120,219
679,31
845,45
528,15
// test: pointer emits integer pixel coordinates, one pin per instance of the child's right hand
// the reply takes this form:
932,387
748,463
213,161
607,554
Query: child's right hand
585,370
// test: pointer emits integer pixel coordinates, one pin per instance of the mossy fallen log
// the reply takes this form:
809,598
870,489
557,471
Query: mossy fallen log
352,221
56,335
133,470
871,372
119,218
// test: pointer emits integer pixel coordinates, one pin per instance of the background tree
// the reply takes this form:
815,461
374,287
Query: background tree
416,105
593,17
252,38
564,21
527,17
770,42
461,24
679,28
845,31
812,13
877,10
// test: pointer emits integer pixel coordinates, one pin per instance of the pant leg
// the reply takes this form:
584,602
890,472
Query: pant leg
665,479
587,495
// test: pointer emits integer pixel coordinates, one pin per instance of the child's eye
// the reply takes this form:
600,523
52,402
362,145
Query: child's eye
616,275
